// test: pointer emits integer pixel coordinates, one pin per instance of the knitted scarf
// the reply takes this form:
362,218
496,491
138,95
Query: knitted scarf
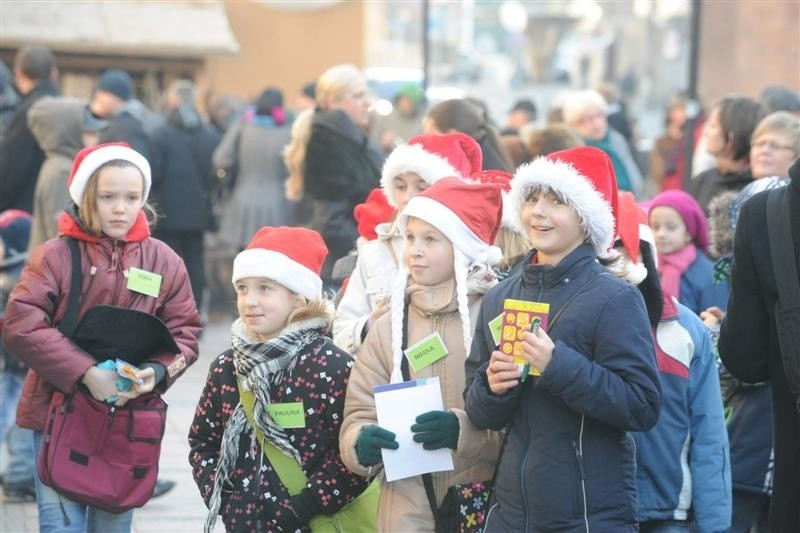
259,365
672,266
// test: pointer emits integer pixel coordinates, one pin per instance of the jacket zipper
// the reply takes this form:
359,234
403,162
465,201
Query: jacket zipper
525,461
524,494
579,456
113,268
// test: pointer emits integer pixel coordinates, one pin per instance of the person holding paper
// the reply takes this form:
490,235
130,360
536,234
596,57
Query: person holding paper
108,218
569,462
277,395
410,169
449,230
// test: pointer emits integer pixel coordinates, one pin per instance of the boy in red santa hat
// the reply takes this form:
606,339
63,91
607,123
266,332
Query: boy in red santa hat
568,462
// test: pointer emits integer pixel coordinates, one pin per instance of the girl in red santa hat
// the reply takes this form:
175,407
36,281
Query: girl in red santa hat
449,231
280,359
409,170
568,462
108,185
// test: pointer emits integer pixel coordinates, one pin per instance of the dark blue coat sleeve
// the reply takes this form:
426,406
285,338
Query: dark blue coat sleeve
618,384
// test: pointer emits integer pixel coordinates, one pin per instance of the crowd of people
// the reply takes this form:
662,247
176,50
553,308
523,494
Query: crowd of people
661,392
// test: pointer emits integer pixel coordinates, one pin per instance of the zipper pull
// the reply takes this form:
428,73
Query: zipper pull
579,456
114,257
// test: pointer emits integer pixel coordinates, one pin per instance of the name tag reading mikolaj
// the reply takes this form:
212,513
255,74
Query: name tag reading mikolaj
426,352
288,415
144,282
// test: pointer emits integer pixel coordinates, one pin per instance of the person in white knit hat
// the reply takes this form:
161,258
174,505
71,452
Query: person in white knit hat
449,230
410,169
568,463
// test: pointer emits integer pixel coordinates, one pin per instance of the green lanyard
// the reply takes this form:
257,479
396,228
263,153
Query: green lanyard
290,472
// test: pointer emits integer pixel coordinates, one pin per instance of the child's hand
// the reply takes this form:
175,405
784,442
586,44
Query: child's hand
502,373
102,384
379,310
712,317
148,377
537,349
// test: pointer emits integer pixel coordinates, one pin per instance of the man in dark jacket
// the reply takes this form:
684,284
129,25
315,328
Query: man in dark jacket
113,100
20,154
182,179
749,344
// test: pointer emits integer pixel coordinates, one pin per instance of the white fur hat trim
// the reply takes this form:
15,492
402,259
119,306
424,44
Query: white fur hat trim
446,221
414,158
593,210
261,263
100,157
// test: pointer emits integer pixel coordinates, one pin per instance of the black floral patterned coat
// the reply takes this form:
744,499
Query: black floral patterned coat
258,500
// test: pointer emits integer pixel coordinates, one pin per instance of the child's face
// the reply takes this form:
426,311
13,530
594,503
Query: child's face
119,197
553,227
669,229
264,306
428,253
406,186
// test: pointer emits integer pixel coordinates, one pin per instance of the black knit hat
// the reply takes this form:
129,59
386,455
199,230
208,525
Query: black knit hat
116,82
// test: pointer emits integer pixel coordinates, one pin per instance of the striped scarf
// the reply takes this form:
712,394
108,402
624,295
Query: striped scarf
259,365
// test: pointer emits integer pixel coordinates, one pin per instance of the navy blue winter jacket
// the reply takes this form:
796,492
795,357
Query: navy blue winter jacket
569,462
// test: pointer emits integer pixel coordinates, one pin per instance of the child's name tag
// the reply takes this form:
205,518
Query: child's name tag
426,352
288,415
144,282
496,327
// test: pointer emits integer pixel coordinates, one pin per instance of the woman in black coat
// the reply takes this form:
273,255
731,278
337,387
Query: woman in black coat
341,165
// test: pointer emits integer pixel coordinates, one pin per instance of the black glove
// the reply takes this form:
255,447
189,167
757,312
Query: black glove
436,429
304,508
371,441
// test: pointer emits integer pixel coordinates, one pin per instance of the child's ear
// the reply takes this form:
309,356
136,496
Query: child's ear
299,301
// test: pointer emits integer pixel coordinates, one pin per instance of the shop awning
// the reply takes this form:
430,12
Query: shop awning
162,28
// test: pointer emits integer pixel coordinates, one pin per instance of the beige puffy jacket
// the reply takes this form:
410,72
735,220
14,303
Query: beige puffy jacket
403,504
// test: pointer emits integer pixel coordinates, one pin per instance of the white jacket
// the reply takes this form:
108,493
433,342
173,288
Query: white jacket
371,281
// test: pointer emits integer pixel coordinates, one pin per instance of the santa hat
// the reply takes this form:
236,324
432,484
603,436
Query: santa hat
639,243
469,215
503,180
90,159
432,157
375,210
584,178
292,257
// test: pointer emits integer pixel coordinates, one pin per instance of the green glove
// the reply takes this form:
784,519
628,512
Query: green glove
436,429
371,441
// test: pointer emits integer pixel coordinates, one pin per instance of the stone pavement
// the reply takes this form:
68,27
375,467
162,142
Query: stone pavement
182,509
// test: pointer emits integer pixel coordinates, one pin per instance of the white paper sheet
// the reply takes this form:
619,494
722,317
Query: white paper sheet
398,405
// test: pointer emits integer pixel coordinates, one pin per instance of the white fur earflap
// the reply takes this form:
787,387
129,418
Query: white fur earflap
414,158
593,210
